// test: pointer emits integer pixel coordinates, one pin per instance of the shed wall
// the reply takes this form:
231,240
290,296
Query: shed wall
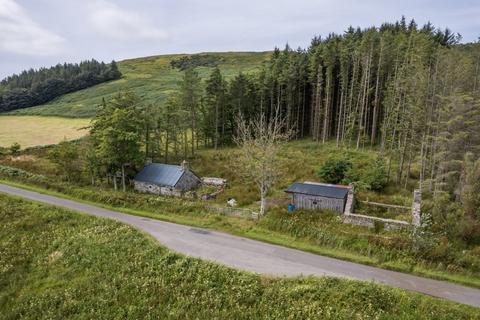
303,201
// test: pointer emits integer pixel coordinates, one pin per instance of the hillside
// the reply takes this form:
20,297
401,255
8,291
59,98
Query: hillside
151,78
58,264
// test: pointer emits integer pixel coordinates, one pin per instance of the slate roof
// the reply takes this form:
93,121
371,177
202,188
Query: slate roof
319,189
165,175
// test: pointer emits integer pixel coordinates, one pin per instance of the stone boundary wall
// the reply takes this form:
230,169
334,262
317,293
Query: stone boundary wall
389,224
235,212
369,221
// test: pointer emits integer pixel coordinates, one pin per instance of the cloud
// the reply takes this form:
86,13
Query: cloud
114,22
20,34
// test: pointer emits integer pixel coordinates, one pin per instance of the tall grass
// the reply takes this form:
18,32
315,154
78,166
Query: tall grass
55,264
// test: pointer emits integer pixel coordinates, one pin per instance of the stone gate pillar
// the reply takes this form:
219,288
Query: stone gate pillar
416,205
350,200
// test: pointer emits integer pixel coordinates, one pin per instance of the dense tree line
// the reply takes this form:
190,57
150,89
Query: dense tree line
34,87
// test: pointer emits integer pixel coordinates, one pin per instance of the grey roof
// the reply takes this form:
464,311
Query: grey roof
319,189
164,175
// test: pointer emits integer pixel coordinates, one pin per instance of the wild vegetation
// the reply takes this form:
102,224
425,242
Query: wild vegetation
34,87
57,264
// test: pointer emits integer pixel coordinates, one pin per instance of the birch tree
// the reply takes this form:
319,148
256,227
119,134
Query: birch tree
260,140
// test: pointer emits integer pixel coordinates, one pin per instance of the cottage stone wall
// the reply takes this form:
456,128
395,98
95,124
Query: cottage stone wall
188,181
153,188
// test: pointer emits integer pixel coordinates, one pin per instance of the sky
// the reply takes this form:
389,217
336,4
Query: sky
37,33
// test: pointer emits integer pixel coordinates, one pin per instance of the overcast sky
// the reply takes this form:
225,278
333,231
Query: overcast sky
35,33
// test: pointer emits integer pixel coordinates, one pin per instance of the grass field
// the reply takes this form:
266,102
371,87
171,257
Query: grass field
56,264
31,131
152,78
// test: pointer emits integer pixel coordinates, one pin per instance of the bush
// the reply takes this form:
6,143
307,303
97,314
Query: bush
363,175
378,226
468,230
371,177
11,172
334,170
376,176
14,148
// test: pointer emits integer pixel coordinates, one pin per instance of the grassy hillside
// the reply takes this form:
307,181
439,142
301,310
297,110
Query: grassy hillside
152,78
32,131
57,264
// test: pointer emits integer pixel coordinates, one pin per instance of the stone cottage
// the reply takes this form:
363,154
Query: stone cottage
166,179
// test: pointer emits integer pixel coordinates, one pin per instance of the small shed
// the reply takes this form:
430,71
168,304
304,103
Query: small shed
314,195
162,178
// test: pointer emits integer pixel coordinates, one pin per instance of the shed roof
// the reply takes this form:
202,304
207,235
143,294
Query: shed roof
165,175
319,189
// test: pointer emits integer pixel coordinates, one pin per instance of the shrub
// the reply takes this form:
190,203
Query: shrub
370,177
376,176
468,230
19,173
334,170
15,148
378,226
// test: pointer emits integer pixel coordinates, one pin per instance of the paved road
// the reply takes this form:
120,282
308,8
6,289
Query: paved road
260,257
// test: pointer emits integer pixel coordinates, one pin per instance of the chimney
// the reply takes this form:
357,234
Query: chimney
185,165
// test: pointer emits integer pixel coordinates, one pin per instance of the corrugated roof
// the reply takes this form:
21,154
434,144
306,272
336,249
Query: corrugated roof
165,175
319,189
